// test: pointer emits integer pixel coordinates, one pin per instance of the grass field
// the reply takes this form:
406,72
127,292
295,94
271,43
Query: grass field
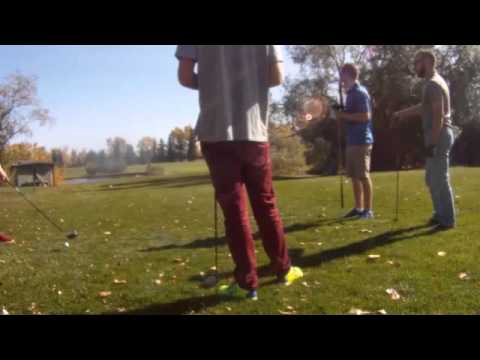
154,236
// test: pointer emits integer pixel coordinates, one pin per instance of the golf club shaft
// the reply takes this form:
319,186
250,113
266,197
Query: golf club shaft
17,190
340,150
216,232
397,210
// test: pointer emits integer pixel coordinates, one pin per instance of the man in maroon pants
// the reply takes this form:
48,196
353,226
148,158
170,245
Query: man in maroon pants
233,83
4,178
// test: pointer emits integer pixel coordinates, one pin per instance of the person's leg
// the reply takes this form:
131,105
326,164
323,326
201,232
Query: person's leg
429,171
368,193
356,183
367,186
257,172
441,188
225,170
358,194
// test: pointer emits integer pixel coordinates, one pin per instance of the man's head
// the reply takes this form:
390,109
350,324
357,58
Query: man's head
425,63
349,75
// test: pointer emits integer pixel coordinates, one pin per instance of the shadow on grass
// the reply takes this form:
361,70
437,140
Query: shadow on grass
363,246
171,182
209,243
179,307
196,304
357,248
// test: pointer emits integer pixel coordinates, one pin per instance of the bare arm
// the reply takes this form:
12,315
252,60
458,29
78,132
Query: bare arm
3,175
410,112
186,74
357,117
276,75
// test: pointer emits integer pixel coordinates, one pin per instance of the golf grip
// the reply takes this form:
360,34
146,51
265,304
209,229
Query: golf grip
34,206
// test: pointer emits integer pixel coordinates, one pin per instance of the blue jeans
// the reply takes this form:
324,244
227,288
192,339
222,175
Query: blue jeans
438,180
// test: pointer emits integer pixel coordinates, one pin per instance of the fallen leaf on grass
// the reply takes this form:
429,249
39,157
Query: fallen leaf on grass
360,312
366,231
105,294
287,312
118,282
373,257
354,311
464,276
394,295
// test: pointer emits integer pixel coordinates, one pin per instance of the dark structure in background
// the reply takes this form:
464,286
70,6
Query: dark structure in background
33,173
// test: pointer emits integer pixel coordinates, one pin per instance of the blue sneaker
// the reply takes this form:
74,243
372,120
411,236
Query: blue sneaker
367,215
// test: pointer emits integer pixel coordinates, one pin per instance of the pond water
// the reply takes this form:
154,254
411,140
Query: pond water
83,181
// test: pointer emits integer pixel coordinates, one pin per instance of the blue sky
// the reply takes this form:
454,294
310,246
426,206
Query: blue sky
96,92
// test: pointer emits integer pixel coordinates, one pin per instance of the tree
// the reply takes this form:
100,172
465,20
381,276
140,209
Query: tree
74,160
386,71
146,149
171,148
117,153
19,108
117,148
161,151
287,151
130,156
91,165
101,159
57,157
192,151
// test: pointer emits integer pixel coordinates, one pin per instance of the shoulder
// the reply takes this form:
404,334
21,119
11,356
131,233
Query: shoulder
360,92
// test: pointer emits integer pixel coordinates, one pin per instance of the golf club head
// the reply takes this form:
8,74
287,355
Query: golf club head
210,281
73,235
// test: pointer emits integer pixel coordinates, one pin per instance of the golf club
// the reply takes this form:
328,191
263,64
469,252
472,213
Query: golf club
397,207
212,280
340,149
70,236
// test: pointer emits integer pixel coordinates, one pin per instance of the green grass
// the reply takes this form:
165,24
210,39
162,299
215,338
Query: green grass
171,169
164,225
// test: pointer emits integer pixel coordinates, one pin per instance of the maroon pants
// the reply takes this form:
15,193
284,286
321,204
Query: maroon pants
238,169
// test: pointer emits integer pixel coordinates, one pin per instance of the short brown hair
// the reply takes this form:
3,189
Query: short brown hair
427,54
351,70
